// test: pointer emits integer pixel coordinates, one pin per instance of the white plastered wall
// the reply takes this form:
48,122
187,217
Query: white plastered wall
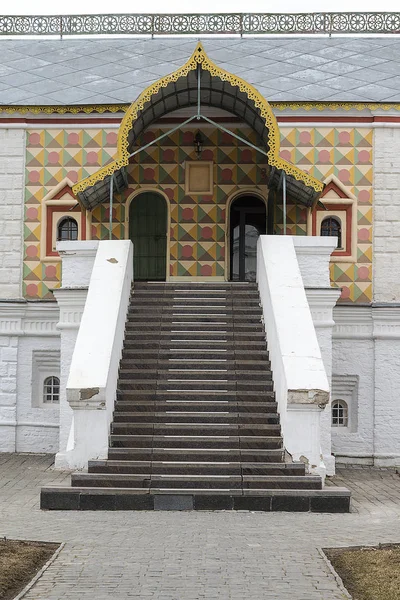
367,339
12,161
26,328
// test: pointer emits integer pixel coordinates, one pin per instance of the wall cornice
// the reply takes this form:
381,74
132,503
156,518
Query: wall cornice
26,319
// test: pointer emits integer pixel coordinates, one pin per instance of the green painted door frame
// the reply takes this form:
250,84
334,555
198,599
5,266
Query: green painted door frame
148,232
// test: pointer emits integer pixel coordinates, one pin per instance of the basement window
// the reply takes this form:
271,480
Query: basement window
340,414
51,390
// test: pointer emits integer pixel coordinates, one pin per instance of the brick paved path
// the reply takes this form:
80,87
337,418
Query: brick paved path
192,555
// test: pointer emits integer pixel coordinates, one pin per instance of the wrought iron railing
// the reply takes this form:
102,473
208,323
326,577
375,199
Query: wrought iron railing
202,24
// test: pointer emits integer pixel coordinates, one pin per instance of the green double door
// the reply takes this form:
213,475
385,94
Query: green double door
148,232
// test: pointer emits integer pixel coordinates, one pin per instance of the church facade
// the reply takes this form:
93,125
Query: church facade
192,158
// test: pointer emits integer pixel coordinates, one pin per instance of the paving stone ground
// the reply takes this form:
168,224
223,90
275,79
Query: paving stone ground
192,555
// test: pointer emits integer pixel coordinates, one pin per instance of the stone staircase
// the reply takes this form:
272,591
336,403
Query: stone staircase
195,423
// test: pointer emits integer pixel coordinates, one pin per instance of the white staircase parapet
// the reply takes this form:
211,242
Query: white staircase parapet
300,378
92,374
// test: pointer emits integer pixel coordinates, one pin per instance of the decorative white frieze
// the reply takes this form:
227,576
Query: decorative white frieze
28,319
386,322
352,322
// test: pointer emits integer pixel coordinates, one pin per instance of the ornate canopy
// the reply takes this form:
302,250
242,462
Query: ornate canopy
199,82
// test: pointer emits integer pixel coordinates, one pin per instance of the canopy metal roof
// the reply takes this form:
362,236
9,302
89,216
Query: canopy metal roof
199,83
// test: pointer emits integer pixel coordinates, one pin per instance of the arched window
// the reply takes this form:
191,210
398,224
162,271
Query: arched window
67,230
340,414
51,390
332,226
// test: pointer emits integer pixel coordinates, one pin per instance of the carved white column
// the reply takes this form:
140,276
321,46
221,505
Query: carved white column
313,254
322,302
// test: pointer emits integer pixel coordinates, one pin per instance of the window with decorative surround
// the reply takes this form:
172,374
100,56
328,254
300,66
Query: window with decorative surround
332,226
51,390
45,379
340,414
344,404
67,229
62,219
337,217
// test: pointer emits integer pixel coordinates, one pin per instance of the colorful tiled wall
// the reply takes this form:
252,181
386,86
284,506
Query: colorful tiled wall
347,154
51,156
197,246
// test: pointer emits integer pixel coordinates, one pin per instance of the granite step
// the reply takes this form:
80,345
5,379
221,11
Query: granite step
194,354
195,429
190,417
193,373
143,364
205,455
190,395
198,385
199,406
137,467
328,500
191,481
250,442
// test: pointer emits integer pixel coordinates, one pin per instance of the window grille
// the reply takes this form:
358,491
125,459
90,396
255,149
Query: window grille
67,230
51,390
340,414
332,226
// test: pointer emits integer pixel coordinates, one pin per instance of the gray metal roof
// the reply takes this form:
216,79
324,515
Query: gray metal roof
114,71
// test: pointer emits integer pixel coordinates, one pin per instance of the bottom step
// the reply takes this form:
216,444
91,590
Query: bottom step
328,500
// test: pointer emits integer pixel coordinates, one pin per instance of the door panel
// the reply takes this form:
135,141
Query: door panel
148,232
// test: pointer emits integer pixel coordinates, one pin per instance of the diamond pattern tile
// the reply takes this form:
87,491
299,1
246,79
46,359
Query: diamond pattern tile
373,65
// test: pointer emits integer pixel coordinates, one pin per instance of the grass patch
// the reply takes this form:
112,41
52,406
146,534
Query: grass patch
369,573
19,563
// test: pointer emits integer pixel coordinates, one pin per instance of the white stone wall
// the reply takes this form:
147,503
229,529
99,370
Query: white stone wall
26,328
353,355
37,426
8,392
12,159
386,202
367,345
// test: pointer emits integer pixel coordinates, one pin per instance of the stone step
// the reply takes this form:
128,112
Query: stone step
190,416
166,302
195,336
189,363
204,455
196,316
223,325
154,480
251,442
198,384
186,467
195,429
188,396
196,405
193,373
328,500
197,354
197,345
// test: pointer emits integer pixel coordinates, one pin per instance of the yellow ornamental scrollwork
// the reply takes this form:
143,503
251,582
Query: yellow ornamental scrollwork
199,57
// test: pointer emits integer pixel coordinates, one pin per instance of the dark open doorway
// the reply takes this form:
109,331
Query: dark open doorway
247,222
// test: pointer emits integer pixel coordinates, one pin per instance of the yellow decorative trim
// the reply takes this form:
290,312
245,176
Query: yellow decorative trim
62,110
123,108
199,57
334,106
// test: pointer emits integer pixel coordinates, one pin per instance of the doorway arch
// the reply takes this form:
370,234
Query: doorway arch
247,221
148,227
